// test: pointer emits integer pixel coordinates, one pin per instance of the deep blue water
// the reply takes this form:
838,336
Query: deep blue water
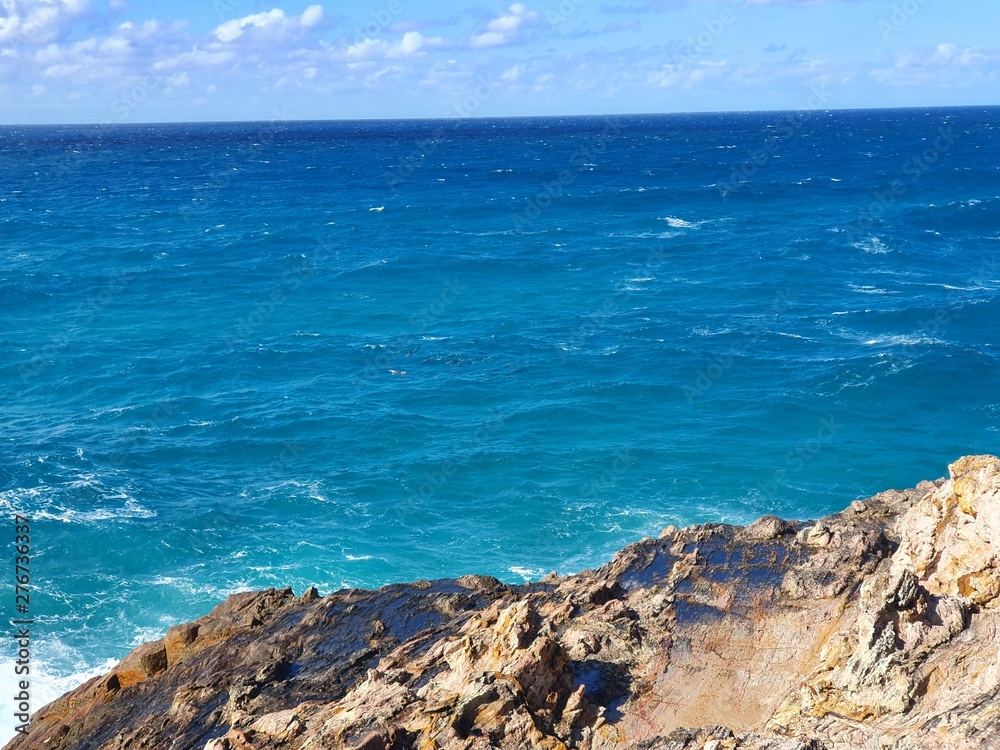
606,326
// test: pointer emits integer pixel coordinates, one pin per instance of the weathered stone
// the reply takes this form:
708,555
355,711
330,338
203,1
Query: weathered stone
145,662
177,640
877,627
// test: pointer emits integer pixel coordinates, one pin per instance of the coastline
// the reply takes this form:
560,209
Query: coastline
873,627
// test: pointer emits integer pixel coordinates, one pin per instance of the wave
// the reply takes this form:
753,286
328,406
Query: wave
130,511
893,340
678,223
873,246
868,289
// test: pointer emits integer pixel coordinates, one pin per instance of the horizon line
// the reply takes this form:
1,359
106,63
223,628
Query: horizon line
503,117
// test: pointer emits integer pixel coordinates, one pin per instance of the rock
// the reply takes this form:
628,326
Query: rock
177,640
877,627
816,536
767,527
145,662
280,724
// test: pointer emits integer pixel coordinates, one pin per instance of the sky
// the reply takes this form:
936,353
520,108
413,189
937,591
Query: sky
122,61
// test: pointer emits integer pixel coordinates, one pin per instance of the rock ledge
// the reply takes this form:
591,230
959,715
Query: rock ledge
874,628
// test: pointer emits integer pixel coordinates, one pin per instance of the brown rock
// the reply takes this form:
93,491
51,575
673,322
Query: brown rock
177,640
873,628
145,662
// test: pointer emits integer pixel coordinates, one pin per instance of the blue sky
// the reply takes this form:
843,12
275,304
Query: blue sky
181,60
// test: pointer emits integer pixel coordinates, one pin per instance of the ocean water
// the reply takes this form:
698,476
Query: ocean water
235,356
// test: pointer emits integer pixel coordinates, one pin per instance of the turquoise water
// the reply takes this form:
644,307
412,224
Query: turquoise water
244,355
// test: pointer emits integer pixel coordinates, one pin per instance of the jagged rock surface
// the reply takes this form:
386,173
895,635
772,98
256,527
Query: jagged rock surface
872,629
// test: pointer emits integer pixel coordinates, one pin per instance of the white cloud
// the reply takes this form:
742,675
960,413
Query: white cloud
364,49
61,71
36,21
312,16
233,29
945,64
273,19
505,28
413,44
198,58
488,39
115,45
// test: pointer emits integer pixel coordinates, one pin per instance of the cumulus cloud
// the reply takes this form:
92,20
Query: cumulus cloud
36,21
687,76
948,64
274,19
312,16
233,29
505,28
412,44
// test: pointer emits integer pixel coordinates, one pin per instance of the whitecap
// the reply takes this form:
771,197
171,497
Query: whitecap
130,510
678,223
872,246
901,340
706,331
866,289
526,573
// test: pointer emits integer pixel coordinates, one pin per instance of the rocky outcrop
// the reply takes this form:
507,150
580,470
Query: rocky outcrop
874,628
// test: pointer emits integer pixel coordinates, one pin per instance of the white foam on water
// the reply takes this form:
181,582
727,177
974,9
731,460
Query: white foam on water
526,573
678,223
872,246
706,331
199,590
131,509
901,340
46,681
867,289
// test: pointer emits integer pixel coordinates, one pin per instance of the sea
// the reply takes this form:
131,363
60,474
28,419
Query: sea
246,355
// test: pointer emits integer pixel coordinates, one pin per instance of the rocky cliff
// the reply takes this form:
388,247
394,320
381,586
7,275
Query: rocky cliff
874,628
